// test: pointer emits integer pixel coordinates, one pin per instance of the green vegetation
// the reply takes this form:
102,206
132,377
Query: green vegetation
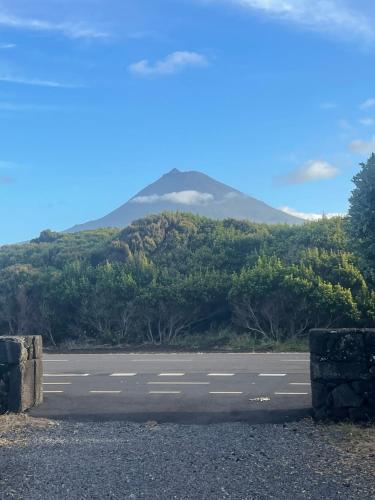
362,217
185,280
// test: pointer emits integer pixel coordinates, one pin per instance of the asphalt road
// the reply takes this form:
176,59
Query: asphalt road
183,388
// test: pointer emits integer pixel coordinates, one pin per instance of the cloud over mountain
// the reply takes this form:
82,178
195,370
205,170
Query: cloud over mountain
193,192
183,197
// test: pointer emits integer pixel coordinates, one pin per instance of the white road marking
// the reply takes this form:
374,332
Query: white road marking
56,360
52,392
299,383
220,374
164,392
272,375
57,383
296,360
66,375
178,383
171,374
260,399
123,375
291,393
225,392
163,360
105,392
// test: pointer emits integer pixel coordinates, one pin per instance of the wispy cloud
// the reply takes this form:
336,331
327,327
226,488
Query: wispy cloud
37,82
71,30
314,170
309,215
7,46
367,121
321,15
173,63
369,103
182,197
363,147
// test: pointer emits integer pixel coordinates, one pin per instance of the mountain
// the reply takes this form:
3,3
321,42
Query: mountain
190,192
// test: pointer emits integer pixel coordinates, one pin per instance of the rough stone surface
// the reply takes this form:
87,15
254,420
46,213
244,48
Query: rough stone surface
21,373
343,373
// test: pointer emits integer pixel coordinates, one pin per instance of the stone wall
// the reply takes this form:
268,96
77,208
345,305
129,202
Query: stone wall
21,373
343,373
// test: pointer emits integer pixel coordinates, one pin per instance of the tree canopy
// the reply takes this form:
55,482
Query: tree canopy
175,275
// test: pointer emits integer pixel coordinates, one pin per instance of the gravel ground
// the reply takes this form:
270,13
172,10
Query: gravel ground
148,461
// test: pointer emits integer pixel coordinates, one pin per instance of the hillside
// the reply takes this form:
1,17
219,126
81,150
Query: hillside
192,192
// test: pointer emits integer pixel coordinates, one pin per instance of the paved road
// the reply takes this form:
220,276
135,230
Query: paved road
185,388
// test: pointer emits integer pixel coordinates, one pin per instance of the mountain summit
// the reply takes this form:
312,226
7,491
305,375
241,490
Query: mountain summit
190,192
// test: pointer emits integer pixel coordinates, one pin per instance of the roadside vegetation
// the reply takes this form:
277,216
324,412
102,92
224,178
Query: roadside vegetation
184,280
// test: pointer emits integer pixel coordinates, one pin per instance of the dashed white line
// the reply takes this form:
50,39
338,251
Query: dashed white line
56,360
220,374
295,360
66,374
291,393
272,375
178,383
226,392
164,392
171,374
53,392
57,383
162,360
105,392
123,374
299,383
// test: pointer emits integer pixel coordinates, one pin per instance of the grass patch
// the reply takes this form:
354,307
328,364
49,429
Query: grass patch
13,426
227,340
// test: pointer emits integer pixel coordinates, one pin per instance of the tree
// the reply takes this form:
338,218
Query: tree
362,216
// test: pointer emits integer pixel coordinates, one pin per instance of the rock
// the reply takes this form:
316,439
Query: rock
345,397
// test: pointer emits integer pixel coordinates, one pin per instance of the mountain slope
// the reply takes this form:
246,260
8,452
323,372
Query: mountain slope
190,192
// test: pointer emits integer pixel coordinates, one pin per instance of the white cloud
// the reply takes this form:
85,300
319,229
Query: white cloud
182,197
370,103
36,82
321,15
363,147
314,170
309,215
67,29
5,46
366,121
171,64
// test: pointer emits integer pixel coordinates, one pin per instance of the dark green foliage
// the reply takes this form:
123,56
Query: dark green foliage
362,216
173,276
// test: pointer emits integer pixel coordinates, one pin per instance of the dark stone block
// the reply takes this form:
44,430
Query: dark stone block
11,350
345,397
369,339
319,394
338,345
321,414
362,386
358,414
336,371
338,413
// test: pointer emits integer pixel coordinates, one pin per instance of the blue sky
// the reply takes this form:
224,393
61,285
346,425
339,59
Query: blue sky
98,98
